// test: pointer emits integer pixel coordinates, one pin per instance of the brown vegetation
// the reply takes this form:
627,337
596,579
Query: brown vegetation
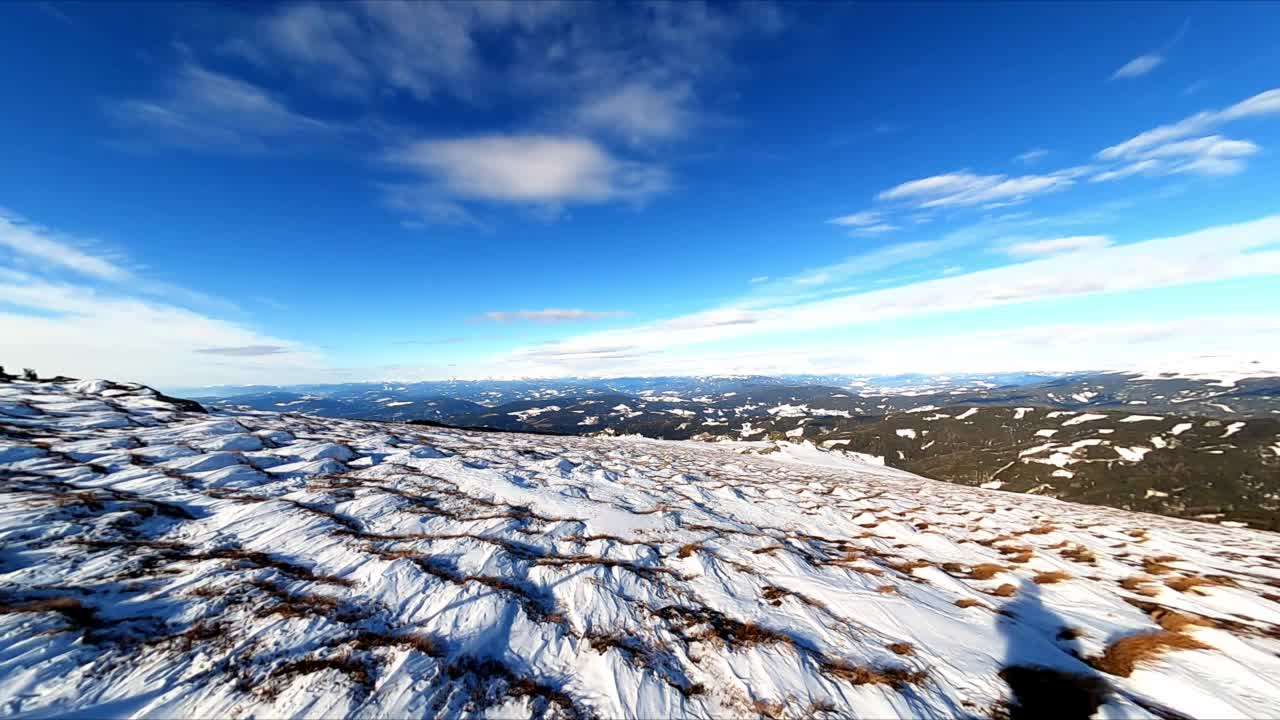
1050,577
1124,655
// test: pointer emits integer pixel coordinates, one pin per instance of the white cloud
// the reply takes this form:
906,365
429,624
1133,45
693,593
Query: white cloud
639,112
1209,341
867,222
553,315
1138,66
759,279
858,219
207,110
1032,156
40,245
1133,168
1209,155
1214,254
1054,246
964,188
77,331
1264,103
75,327
530,169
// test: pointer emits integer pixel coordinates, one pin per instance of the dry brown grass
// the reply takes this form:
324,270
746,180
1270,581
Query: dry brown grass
969,602
986,571
901,648
1124,655
1140,585
1050,577
887,589
1005,590
1153,567
906,567
1080,554
768,708
1042,529
1174,621
69,608
863,675
1187,583
687,549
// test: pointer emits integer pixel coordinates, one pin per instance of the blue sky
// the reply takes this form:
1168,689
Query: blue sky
196,194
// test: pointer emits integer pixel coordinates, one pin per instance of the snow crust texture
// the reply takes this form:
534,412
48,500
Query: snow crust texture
157,561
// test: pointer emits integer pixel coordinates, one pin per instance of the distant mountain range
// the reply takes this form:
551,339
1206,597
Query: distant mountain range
1186,446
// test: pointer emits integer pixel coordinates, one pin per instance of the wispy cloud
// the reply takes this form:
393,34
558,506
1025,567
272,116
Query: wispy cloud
1032,156
1054,246
1213,254
1138,66
964,188
1147,62
1264,103
81,314
553,315
41,245
245,350
205,110
639,112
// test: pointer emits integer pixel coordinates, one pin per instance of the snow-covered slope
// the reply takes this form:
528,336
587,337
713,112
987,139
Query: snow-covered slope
158,561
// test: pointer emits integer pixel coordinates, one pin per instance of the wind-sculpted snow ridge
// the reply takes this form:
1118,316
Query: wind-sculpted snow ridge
159,561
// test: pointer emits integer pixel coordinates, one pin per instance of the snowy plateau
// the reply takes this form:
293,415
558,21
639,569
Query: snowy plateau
157,560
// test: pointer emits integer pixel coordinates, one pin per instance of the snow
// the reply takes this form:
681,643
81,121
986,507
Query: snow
398,403
1140,418
906,433
1232,429
1132,454
394,570
1087,417
1046,432
1180,428
1018,413
524,415
967,413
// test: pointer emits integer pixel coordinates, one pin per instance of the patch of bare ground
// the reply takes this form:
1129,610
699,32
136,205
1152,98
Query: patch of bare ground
1041,692
1140,585
1156,565
1005,590
774,595
1080,554
901,648
490,683
72,610
639,654
1050,577
303,604
970,602
356,670
368,640
1188,583
985,571
1123,656
895,677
